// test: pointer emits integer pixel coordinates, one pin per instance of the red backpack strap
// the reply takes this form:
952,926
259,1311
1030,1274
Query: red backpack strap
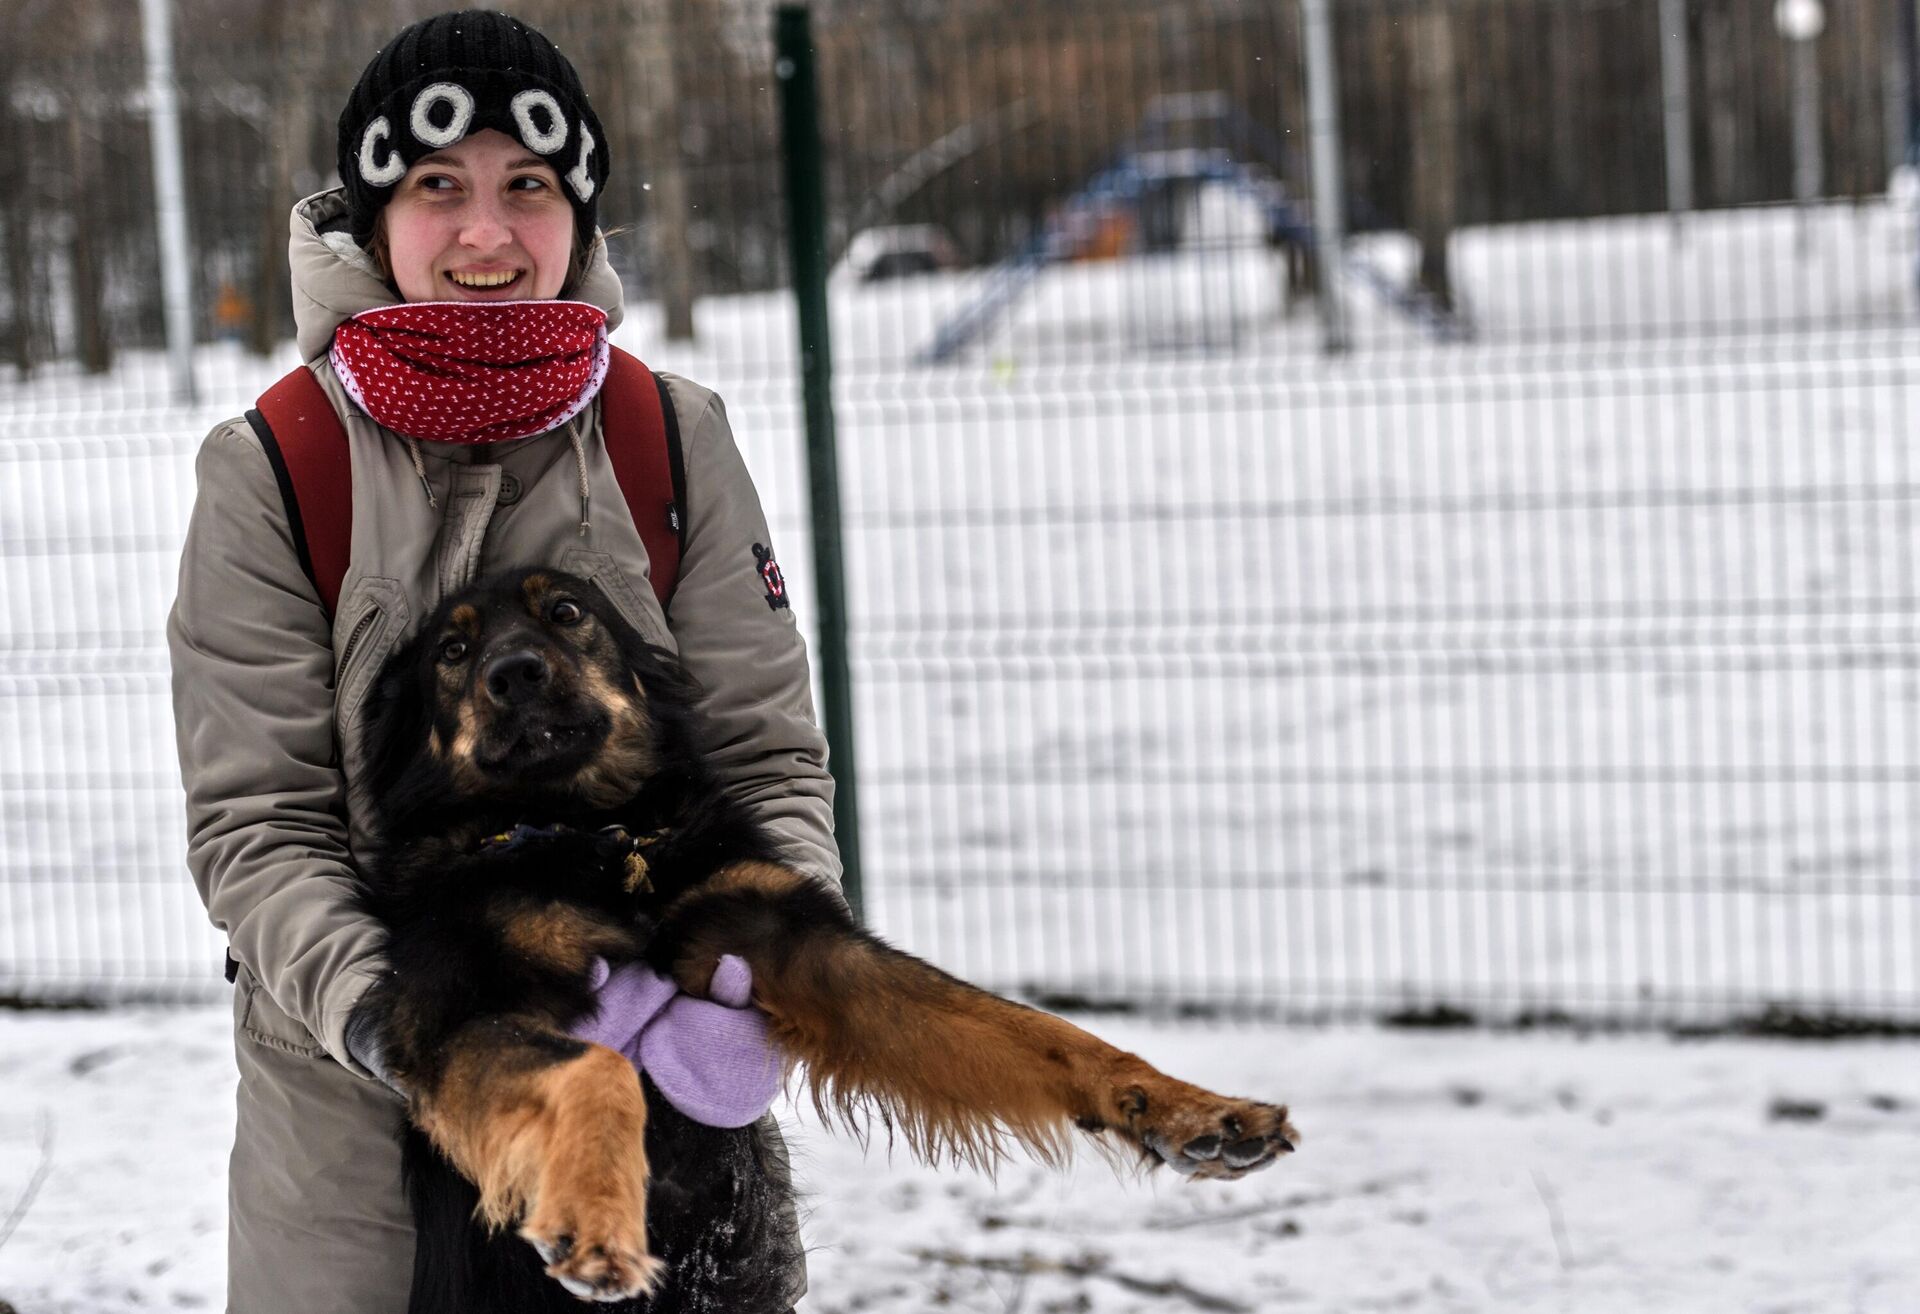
643,442
307,446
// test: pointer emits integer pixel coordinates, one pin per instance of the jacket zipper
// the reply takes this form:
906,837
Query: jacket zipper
360,628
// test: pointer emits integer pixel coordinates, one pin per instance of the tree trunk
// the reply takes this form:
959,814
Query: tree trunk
88,278
19,224
1436,148
1301,276
653,77
270,261
1719,57
16,219
298,32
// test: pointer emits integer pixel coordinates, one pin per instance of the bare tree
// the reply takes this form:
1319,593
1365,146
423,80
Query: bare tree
18,217
85,33
658,132
1436,147
86,281
16,205
296,33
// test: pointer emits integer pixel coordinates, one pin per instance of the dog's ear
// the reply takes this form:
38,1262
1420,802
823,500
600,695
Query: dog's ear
662,678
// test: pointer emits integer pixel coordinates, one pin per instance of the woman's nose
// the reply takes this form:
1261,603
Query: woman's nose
486,228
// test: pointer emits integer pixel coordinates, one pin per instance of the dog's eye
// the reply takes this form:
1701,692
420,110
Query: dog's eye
566,612
453,650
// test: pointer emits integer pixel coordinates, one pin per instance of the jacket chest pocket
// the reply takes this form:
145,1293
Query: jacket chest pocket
643,613
379,615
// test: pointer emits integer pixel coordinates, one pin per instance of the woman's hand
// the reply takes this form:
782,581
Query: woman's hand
712,1058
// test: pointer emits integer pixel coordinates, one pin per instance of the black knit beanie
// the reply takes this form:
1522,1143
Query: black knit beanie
452,75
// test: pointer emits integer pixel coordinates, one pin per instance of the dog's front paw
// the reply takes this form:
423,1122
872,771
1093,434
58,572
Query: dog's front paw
1201,1135
596,1254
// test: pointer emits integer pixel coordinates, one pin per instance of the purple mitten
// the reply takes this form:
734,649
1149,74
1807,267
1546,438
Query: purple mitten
712,1059
626,1000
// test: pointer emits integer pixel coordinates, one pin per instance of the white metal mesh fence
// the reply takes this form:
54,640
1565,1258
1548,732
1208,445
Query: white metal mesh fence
93,890
1569,664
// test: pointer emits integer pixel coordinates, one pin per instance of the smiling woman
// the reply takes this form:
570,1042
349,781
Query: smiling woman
455,306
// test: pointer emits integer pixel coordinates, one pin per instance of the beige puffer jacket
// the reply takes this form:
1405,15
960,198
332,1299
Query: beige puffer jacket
267,694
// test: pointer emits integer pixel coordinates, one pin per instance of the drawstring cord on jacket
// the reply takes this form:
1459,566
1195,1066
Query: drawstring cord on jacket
420,468
580,460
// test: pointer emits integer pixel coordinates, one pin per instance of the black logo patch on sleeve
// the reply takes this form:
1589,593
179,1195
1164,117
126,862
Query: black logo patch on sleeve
771,577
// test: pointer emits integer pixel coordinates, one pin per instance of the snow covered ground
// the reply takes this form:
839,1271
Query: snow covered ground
1453,1171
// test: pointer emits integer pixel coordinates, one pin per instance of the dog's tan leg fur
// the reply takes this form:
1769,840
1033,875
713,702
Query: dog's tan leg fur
559,937
557,1143
955,1068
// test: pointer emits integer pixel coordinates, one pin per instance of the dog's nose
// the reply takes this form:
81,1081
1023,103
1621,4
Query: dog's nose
513,677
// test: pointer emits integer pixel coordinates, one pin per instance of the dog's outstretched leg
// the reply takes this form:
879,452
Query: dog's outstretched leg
553,1132
954,1068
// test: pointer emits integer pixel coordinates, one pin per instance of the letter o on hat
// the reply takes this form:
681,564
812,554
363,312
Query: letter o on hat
542,143
421,121
379,175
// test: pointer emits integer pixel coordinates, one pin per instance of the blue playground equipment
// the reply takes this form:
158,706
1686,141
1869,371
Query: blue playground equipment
1249,162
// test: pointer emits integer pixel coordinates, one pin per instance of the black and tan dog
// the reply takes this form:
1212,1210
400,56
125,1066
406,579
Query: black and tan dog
527,702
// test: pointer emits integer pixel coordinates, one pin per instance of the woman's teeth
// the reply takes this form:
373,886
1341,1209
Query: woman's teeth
485,280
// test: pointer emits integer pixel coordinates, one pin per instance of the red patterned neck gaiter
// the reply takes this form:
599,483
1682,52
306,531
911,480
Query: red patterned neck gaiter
473,371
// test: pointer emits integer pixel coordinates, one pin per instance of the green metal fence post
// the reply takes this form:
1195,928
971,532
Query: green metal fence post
807,241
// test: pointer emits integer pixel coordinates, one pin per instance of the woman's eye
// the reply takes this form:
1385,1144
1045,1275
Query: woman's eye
566,612
528,182
435,182
453,650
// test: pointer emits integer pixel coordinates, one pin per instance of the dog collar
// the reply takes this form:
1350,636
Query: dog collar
630,847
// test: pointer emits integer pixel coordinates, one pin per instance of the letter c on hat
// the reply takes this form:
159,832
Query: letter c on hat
379,175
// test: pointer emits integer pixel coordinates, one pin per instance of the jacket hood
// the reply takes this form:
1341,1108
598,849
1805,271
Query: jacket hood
334,279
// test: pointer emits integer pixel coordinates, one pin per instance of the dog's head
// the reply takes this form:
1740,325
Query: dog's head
526,688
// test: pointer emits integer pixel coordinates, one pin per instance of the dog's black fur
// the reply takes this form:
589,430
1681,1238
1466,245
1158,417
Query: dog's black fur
714,1196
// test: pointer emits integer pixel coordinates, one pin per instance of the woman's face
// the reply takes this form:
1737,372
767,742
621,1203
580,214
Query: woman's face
481,220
